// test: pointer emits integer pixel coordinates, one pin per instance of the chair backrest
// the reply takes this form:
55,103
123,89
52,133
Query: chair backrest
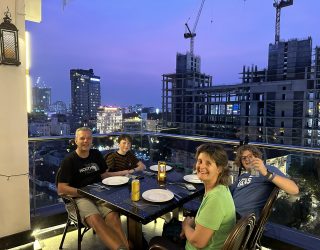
264,215
57,176
238,237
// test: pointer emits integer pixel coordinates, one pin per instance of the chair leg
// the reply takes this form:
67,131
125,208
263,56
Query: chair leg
64,233
79,237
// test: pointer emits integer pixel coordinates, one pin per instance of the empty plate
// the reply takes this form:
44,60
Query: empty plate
155,168
157,195
115,180
193,178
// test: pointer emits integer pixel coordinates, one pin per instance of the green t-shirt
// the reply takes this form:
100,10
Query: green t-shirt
216,212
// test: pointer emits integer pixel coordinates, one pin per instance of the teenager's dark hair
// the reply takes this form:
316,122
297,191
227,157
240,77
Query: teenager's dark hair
125,137
220,157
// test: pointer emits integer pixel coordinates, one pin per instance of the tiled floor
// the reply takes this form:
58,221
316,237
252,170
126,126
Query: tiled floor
90,240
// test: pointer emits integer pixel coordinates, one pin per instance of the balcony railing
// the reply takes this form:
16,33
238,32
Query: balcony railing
295,219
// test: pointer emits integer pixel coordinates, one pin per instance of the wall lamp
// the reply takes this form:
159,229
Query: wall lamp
9,46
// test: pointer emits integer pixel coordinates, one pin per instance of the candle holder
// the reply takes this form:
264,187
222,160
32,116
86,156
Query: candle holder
162,171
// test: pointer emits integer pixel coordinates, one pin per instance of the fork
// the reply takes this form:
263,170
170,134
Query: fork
177,195
99,186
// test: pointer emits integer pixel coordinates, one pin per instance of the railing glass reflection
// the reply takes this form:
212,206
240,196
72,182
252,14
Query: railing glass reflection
303,165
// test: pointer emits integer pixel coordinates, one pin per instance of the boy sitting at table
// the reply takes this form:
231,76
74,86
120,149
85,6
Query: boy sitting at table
123,161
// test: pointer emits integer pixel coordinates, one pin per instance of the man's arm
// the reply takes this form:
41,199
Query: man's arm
287,185
284,183
65,189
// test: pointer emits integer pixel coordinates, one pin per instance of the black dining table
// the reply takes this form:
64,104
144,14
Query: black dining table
118,198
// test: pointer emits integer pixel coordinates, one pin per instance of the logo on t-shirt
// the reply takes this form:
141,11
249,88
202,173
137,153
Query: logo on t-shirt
244,182
89,168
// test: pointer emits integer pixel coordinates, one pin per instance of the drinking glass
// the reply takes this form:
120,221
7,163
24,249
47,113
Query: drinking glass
253,171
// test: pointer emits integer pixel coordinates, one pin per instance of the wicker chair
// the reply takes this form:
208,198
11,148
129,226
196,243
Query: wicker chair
254,240
239,236
236,240
73,217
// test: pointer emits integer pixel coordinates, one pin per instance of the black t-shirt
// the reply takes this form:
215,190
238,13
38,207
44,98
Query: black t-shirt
79,172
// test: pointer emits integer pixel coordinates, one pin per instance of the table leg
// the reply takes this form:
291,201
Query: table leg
135,233
175,213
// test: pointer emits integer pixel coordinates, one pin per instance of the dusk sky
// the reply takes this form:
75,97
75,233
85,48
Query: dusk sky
131,43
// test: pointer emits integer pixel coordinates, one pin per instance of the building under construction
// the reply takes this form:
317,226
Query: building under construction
281,108
178,97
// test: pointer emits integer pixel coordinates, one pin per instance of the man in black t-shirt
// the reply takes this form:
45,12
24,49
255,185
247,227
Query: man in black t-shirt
82,167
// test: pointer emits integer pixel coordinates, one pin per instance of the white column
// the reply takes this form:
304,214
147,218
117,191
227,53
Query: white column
14,190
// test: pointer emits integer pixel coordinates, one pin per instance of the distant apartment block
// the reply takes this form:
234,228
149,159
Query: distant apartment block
58,107
85,98
41,99
132,124
279,105
59,125
109,119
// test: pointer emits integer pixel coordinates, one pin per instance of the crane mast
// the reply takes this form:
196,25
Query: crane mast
192,33
278,5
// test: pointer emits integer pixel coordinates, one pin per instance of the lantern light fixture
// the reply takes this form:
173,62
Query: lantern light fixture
9,46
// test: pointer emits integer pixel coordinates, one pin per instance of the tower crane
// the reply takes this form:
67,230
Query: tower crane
191,34
278,4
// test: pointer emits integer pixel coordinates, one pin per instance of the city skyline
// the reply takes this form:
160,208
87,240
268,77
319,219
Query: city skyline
130,45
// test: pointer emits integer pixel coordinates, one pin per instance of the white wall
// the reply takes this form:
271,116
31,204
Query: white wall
14,192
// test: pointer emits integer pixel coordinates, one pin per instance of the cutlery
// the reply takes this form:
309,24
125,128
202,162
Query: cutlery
99,186
177,195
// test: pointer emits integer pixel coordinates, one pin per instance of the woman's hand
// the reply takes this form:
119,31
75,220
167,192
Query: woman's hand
188,221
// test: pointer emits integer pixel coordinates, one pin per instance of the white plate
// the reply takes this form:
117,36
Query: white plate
157,195
155,168
193,178
115,180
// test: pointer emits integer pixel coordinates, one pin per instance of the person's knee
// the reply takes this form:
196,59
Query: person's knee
113,217
93,220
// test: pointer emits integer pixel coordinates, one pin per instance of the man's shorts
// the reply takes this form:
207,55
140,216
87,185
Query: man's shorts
89,207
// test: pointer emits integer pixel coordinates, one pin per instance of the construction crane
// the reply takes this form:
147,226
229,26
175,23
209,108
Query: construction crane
191,34
278,5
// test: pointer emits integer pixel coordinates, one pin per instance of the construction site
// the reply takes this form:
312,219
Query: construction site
278,104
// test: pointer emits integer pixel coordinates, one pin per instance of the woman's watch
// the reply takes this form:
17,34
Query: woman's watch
270,176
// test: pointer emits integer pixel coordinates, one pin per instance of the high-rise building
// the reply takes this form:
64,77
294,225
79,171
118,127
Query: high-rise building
289,59
41,99
283,111
177,91
85,98
109,119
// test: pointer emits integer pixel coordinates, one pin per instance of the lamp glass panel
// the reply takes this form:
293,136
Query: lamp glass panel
9,45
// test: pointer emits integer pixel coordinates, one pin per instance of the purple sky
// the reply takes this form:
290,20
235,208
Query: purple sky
130,44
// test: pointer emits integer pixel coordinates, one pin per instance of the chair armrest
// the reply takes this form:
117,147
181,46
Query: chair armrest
71,207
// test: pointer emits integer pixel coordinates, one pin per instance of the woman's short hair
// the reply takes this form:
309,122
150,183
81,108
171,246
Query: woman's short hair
125,137
220,157
253,149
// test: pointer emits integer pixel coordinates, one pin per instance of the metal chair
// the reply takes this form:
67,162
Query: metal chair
73,217
239,236
236,240
254,240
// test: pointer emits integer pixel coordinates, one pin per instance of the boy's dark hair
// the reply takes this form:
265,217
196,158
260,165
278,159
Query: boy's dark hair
125,137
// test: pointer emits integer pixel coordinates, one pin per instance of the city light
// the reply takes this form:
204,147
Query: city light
28,79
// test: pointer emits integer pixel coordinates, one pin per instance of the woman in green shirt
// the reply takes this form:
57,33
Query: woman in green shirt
216,215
